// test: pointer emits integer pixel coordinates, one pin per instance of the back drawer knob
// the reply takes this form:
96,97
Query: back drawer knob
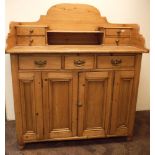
40,63
31,41
116,62
117,42
79,63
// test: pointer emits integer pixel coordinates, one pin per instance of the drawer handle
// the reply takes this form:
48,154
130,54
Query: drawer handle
116,62
31,31
119,32
79,63
40,63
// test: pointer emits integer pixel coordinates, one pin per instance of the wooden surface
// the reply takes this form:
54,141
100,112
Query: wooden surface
31,103
76,49
87,62
105,61
32,62
121,104
94,100
59,100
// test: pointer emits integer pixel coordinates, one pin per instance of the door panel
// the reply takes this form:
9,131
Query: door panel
60,104
122,100
94,103
31,104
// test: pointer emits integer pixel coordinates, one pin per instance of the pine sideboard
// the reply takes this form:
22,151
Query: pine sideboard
75,75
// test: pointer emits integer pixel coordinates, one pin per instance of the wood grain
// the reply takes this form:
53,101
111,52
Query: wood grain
59,117
94,97
106,61
121,103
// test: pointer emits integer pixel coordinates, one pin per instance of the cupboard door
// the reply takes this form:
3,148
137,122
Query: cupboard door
60,104
94,103
31,105
122,100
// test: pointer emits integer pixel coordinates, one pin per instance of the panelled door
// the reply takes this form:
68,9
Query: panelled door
60,104
95,90
122,102
31,105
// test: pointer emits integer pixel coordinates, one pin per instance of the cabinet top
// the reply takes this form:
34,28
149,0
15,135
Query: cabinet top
76,49
69,28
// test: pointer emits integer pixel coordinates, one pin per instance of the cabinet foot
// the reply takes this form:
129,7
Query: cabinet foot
21,146
129,138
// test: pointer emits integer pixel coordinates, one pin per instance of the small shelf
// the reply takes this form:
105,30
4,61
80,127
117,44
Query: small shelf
60,31
55,37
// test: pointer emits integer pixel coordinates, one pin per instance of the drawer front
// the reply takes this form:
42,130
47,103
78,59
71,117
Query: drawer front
31,41
79,62
117,41
118,32
115,61
30,31
39,62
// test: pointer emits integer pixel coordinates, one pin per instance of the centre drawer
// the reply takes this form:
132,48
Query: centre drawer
79,62
39,62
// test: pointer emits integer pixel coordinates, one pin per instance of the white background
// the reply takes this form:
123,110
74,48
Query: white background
116,11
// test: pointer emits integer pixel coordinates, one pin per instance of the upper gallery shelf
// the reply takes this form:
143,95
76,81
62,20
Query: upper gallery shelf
73,24
67,31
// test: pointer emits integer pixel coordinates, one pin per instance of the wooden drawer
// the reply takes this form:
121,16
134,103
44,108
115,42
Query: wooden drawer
39,62
31,41
30,31
79,62
115,61
118,32
113,41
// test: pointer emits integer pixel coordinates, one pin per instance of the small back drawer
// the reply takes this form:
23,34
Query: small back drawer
39,62
31,41
118,32
79,62
30,30
115,61
117,41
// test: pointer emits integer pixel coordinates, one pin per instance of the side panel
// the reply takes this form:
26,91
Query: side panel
122,102
31,105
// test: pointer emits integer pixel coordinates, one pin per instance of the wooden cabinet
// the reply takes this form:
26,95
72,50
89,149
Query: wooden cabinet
72,78
77,102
